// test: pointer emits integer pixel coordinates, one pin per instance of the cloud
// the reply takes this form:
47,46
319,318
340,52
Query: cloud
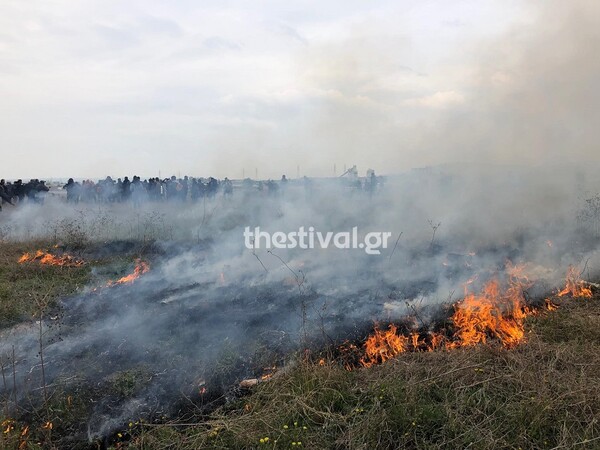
439,100
388,85
286,30
219,43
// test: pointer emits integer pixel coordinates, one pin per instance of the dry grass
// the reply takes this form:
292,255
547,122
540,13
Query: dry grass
544,394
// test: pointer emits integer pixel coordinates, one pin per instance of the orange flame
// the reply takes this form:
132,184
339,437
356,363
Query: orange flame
497,312
436,340
414,340
48,259
494,313
141,267
575,286
383,345
550,306
268,373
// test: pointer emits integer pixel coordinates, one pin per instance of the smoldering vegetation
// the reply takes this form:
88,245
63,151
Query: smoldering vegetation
211,312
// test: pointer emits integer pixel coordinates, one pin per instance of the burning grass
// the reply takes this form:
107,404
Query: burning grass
575,286
545,394
49,259
28,274
469,394
141,267
494,314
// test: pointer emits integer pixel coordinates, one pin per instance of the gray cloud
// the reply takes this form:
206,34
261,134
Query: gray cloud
383,86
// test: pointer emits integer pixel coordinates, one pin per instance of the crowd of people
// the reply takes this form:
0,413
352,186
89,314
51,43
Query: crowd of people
18,191
136,190
171,189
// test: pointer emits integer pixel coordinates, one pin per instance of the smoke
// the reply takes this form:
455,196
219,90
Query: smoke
211,312
509,133
533,94
524,98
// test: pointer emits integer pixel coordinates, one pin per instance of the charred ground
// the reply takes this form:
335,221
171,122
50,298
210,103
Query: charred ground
541,394
146,342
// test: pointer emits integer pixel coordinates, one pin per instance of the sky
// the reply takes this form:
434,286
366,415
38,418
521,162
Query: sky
232,88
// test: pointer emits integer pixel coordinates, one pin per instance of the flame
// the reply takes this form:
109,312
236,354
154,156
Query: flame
493,313
414,340
550,306
488,314
141,267
497,312
48,259
436,340
8,425
383,345
575,286
268,373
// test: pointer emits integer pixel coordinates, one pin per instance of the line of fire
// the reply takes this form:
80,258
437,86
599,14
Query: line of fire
173,311
282,225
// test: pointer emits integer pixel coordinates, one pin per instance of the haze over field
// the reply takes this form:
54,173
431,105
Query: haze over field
204,296
137,311
215,88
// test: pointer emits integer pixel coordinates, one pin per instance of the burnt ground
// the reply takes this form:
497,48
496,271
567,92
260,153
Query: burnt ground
156,352
543,394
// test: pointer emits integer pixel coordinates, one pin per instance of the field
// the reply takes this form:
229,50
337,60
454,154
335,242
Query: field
543,394
153,330
265,225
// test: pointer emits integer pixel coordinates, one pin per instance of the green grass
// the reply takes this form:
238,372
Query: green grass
25,287
25,290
